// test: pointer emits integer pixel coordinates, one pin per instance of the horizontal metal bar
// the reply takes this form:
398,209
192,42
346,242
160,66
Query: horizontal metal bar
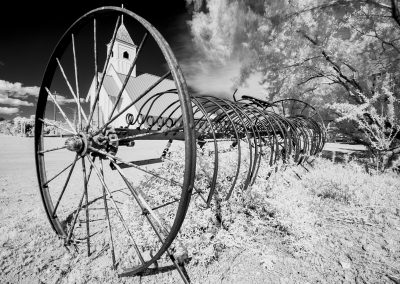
139,163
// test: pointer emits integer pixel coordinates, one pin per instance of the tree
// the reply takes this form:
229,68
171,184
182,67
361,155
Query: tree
323,52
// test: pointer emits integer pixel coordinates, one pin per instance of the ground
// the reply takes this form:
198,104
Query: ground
335,225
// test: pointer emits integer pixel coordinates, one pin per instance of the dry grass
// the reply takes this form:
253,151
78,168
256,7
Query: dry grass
336,223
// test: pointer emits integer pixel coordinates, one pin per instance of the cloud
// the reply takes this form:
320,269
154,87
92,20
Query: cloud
4,99
212,79
220,38
61,100
16,90
8,110
221,81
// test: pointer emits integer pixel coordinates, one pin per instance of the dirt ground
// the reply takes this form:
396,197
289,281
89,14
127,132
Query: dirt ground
345,250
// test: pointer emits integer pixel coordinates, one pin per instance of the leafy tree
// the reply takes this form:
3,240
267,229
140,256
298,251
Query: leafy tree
324,52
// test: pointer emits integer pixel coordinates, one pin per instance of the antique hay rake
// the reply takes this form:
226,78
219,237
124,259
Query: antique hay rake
113,149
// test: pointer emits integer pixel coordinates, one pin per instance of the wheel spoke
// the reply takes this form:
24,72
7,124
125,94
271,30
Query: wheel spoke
103,75
141,201
71,89
65,185
76,82
59,173
62,112
52,149
117,210
96,74
108,219
84,193
59,127
146,209
85,182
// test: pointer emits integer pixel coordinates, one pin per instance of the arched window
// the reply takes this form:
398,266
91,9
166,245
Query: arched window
125,55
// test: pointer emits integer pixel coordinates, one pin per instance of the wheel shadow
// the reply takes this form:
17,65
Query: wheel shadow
161,270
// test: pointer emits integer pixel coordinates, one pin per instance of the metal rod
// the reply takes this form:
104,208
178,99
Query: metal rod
85,182
118,212
71,89
65,185
63,170
103,75
52,149
62,112
76,83
108,219
59,127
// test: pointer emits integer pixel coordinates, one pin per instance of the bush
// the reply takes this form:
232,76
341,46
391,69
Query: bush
377,123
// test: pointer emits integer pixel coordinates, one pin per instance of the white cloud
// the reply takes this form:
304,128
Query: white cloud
61,100
8,110
16,90
221,81
220,37
4,99
213,79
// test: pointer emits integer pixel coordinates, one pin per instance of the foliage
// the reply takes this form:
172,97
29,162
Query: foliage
377,118
323,52
281,205
17,126
25,126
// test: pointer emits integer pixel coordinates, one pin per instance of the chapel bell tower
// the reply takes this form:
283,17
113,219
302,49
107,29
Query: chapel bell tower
124,51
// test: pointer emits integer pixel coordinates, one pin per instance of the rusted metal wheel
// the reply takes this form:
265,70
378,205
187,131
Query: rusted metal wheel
93,180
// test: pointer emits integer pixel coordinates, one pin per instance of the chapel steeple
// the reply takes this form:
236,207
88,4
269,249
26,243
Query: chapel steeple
124,51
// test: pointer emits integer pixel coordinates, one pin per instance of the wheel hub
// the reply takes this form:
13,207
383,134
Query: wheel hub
77,143
74,144
107,142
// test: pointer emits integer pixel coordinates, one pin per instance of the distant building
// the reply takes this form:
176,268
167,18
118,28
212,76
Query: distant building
123,54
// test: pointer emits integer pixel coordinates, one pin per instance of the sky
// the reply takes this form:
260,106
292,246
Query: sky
29,31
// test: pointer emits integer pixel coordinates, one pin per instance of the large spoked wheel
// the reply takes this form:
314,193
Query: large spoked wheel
106,185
